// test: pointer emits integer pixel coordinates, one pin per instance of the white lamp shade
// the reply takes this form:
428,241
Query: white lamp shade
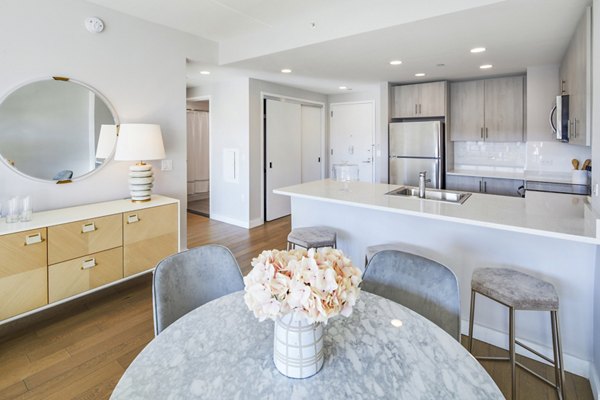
139,142
106,141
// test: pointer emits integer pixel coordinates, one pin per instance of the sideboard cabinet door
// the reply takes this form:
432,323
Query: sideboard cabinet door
149,235
23,272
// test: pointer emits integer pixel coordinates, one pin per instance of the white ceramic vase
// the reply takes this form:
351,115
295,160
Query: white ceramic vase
298,346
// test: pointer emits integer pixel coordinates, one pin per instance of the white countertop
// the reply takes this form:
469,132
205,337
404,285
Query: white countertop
78,213
511,173
562,216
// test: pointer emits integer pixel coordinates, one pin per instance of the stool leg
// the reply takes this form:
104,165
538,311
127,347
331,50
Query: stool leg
511,349
471,316
558,358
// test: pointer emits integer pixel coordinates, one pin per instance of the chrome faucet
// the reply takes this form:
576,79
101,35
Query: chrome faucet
422,181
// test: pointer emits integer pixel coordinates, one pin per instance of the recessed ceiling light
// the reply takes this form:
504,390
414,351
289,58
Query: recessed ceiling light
345,88
396,322
486,66
286,71
420,74
204,72
478,50
395,62
440,65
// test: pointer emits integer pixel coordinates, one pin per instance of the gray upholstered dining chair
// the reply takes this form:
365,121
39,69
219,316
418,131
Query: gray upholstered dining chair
187,280
416,282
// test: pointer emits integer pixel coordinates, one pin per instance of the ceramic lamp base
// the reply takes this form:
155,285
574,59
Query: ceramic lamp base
140,182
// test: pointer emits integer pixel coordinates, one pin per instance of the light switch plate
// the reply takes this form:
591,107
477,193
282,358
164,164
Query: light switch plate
166,165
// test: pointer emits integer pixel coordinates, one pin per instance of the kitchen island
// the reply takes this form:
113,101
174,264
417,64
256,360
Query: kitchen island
551,236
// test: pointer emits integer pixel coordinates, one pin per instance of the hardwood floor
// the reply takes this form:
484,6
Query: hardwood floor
82,353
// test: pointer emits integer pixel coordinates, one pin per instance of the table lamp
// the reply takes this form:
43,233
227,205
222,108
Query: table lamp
106,141
140,142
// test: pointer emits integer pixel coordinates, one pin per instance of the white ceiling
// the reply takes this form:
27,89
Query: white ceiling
354,40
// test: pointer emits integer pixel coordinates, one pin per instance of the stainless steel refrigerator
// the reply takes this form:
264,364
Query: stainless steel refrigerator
415,147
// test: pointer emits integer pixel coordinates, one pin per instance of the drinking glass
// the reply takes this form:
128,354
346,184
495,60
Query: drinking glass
12,214
27,209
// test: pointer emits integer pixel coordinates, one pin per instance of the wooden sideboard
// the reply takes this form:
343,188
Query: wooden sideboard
64,253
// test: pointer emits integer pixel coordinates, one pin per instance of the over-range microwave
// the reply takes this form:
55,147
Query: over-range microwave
561,126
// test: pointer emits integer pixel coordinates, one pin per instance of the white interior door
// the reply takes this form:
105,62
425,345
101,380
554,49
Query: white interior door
351,137
283,144
311,143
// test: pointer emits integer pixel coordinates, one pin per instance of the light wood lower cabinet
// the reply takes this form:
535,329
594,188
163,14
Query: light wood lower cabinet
82,248
76,239
23,272
76,276
149,235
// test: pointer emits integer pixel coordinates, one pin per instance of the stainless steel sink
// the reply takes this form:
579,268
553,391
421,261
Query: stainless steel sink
431,194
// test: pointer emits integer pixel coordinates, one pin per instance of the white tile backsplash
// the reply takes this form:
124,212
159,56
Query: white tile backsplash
493,154
554,156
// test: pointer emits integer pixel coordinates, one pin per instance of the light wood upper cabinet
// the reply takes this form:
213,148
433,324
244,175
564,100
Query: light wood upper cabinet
575,76
490,109
504,109
466,110
23,272
420,100
76,239
149,235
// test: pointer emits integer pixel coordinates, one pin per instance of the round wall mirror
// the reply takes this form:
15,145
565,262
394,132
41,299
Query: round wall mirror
56,129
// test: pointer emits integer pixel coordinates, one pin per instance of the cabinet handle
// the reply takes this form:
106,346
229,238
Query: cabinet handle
484,187
86,228
479,186
416,112
481,132
89,263
575,127
33,239
486,132
132,219
420,112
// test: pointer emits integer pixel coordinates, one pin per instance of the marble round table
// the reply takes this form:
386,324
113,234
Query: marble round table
221,351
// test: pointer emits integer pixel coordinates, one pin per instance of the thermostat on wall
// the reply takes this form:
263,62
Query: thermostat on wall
94,24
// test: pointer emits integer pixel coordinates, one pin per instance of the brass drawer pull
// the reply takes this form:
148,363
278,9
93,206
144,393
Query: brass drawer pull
89,263
132,219
33,239
91,227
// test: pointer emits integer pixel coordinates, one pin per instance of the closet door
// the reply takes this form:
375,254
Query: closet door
311,143
283,161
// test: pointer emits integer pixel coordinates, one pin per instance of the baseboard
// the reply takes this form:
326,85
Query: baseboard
573,364
595,381
256,222
229,220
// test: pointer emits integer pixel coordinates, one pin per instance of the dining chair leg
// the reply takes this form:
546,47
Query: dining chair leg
511,349
560,355
471,316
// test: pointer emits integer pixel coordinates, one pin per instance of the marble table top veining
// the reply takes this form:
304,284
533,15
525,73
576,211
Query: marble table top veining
221,351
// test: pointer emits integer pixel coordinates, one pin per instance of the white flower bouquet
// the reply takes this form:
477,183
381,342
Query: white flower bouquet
318,284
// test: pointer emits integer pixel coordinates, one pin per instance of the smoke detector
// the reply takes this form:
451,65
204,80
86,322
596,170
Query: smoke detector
94,24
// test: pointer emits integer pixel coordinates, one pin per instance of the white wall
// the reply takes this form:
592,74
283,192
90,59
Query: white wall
595,376
229,129
379,96
138,66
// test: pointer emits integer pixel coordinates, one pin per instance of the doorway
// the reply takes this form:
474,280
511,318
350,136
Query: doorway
198,160
293,142
351,136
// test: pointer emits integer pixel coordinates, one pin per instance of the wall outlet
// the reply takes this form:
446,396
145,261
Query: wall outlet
166,165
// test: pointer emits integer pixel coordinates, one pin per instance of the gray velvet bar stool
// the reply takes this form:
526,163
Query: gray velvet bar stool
519,291
312,237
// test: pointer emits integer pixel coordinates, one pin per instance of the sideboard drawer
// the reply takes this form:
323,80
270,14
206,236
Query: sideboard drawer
76,239
23,277
76,276
149,235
